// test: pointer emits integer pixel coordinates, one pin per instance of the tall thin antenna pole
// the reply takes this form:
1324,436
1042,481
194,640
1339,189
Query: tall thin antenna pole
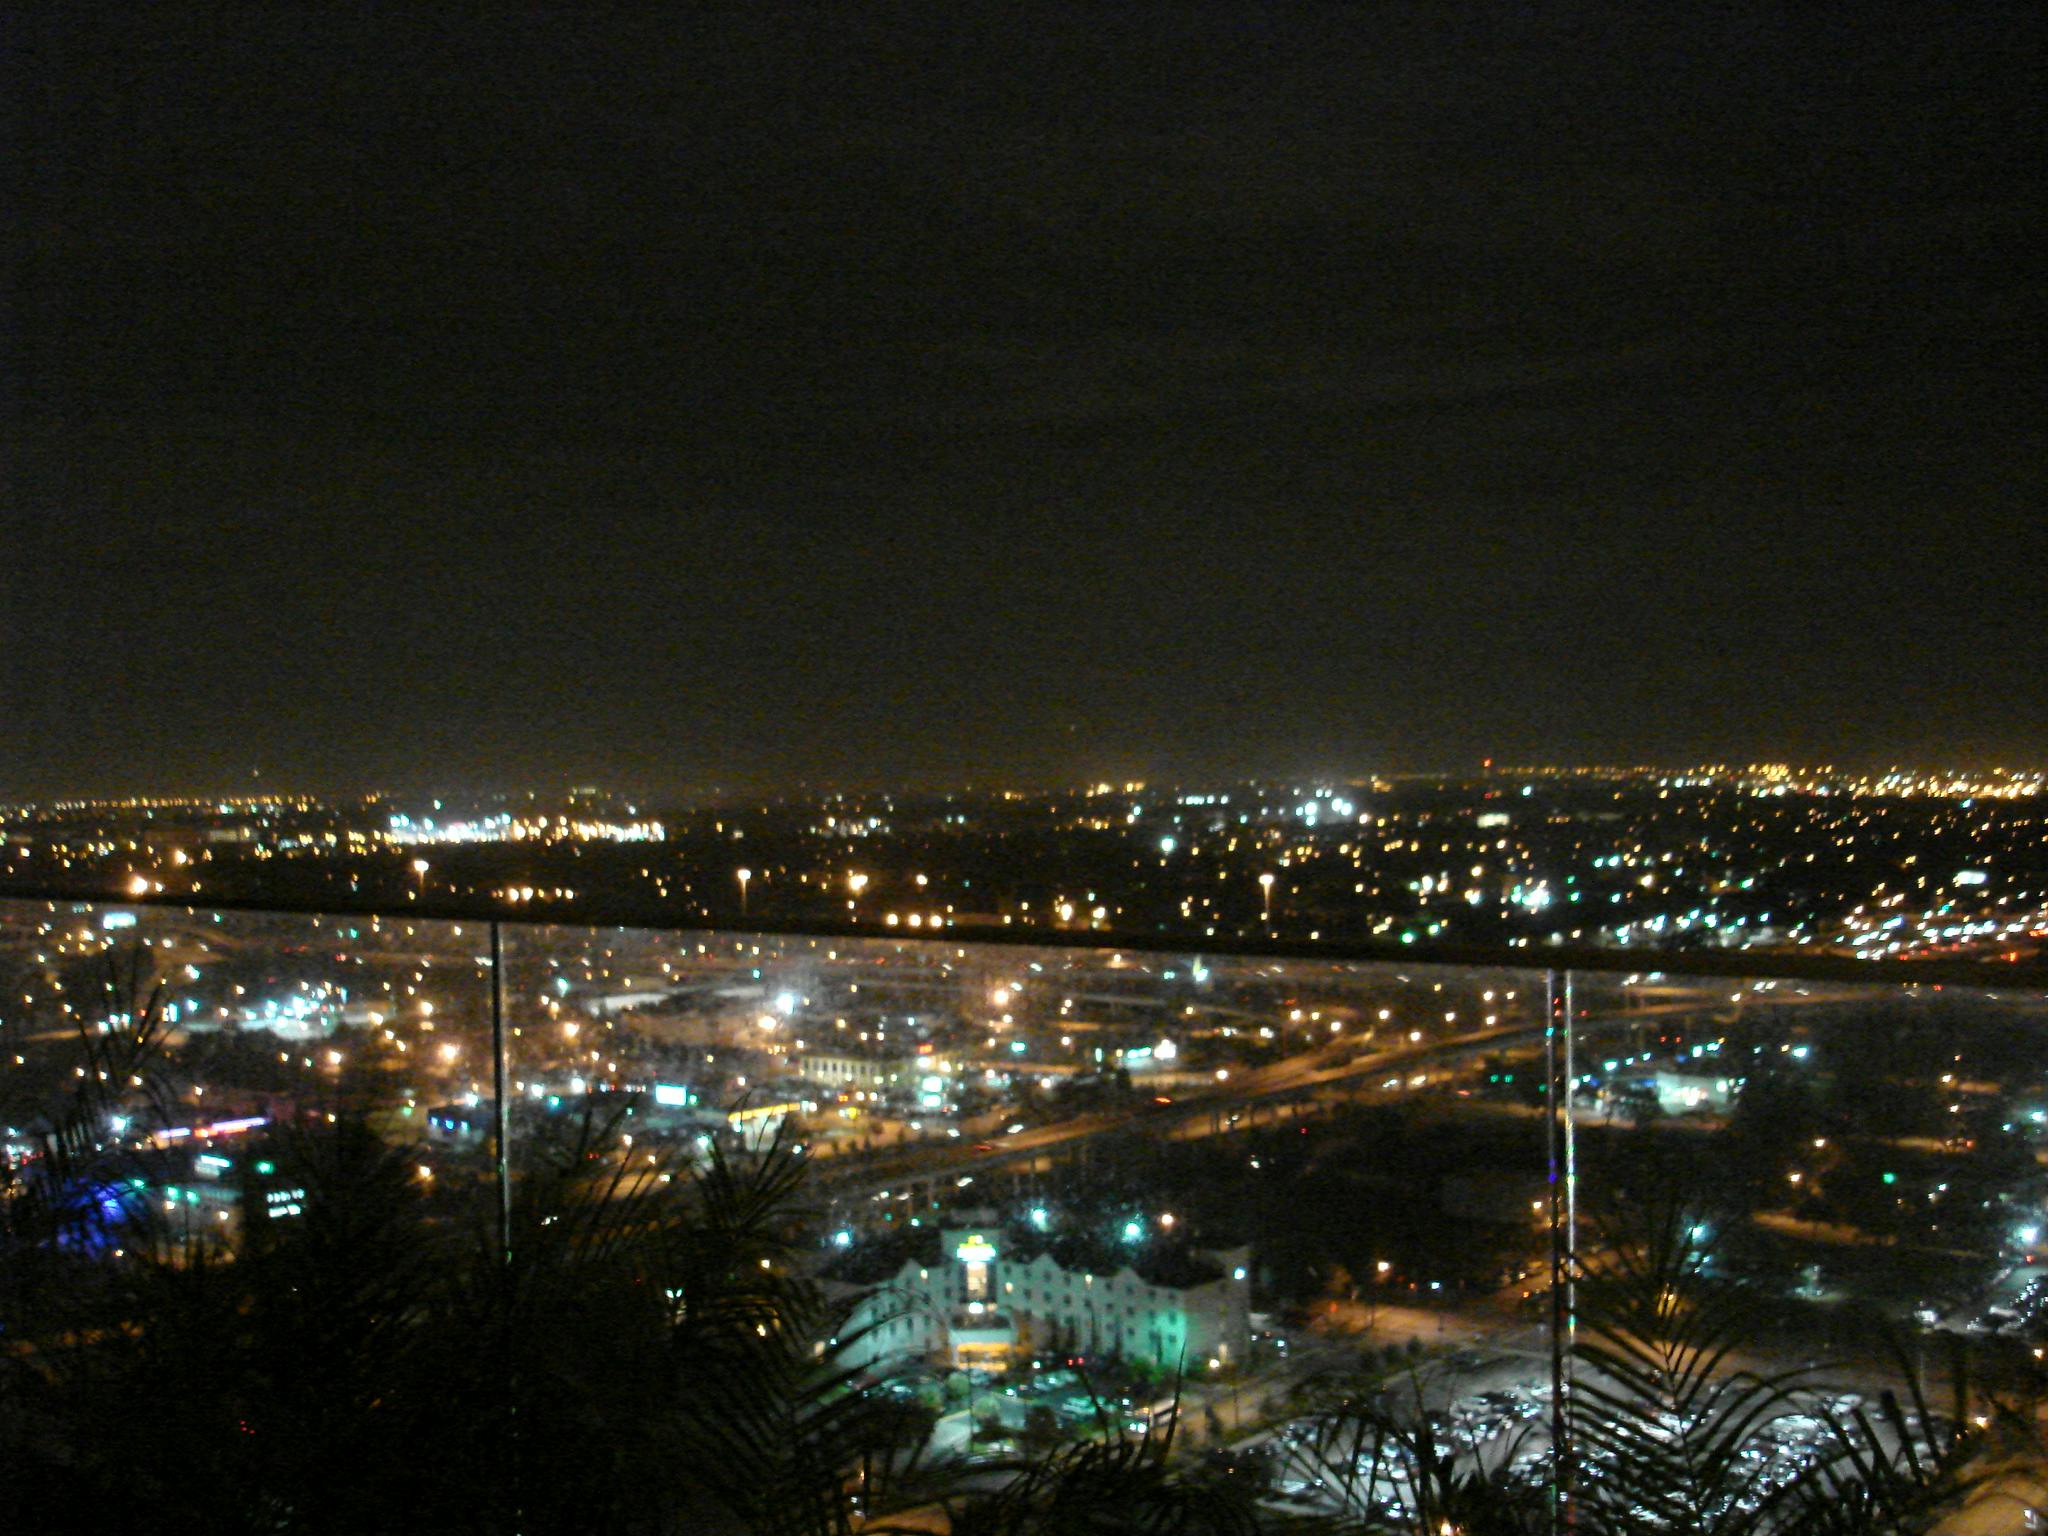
502,1112
1560,1151
1567,1467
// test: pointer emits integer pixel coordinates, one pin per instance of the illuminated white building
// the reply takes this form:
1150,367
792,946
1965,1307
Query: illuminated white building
854,1070
965,1301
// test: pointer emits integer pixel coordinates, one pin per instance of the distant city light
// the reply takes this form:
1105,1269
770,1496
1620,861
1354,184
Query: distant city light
403,830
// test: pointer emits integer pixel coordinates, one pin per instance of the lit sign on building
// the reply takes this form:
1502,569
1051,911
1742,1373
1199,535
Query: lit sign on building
976,1253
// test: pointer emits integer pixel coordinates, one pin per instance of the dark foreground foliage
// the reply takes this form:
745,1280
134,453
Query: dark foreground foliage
650,1357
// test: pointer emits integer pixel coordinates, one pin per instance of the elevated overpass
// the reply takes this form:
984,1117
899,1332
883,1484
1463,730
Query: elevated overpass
1297,1080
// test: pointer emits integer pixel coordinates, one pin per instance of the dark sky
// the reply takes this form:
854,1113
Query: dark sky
677,396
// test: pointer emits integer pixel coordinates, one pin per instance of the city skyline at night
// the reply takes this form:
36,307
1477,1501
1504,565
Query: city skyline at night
1217,767
1766,858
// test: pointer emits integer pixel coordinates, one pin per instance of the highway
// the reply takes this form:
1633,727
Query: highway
1298,1078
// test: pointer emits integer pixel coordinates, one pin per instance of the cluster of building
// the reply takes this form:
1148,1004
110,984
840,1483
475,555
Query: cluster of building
1757,856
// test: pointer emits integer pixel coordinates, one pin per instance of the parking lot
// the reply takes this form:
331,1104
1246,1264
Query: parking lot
1490,1414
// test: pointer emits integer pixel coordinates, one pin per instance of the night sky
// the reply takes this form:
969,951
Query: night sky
673,397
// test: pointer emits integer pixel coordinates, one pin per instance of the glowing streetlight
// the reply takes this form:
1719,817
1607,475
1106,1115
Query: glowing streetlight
743,876
1266,893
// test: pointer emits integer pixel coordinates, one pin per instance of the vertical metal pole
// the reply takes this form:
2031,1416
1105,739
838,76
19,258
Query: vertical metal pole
1558,1147
1568,1465
1554,1160
501,1119
501,1115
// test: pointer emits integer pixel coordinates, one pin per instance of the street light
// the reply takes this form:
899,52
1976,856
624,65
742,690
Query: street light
1266,893
743,876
